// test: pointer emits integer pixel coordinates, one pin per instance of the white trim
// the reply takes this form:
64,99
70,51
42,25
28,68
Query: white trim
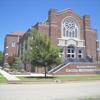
97,40
89,29
78,25
71,51
23,49
52,22
6,54
61,67
54,25
44,25
63,52
67,10
70,39
20,48
68,45
80,46
7,47
45,20
13,43
54,68
5,63
80,53
97,49
61,45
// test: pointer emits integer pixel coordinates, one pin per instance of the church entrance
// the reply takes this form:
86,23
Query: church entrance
71,52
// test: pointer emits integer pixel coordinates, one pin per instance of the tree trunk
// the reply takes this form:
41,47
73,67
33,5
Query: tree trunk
45,71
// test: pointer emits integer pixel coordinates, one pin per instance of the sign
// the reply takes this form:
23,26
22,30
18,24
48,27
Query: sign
86,66
84,69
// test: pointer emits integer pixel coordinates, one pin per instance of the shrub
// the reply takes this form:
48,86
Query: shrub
18,64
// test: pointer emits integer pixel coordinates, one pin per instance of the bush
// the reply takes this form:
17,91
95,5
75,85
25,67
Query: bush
18,64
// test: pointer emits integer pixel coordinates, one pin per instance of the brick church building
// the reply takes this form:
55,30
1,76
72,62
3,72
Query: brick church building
74,35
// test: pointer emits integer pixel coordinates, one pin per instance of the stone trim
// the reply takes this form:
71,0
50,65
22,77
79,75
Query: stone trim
61,68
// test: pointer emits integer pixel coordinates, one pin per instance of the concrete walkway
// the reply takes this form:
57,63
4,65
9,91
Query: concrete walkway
8,76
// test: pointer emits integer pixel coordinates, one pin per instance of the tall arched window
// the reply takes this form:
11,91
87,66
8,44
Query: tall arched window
70,28
28,43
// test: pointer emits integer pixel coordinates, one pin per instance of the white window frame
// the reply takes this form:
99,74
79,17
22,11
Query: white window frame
67,33
28,44
71,52
62,54
23,49
20,49
13,43
6,54
80,53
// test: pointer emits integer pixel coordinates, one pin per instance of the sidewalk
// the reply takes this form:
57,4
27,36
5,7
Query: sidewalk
8,76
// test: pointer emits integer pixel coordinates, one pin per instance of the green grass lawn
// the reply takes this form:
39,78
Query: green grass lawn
90,99
2,78
62,78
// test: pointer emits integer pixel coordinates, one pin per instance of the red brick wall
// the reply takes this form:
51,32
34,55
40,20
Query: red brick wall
10,49
91,37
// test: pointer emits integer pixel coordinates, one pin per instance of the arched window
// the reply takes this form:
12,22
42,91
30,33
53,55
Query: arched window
28,43
23,49
70,28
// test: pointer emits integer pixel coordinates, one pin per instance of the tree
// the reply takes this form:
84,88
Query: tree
1,58
42,54
18,64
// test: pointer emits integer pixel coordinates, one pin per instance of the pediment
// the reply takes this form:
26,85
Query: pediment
69,10
71,41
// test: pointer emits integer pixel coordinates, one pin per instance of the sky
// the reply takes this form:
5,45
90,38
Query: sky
17,15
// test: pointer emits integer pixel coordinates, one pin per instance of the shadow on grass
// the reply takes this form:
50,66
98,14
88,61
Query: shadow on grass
40,77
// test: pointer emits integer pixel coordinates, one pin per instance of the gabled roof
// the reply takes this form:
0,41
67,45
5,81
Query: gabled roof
67,10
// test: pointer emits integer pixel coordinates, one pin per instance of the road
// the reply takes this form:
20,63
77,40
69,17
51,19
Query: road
68,91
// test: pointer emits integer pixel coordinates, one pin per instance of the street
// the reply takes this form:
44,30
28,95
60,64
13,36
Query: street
67,91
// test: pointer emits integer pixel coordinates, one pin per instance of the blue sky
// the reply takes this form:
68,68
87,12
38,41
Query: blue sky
21,14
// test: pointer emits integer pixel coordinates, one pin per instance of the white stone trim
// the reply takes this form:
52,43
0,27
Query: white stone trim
69,42
68,45
97,40
44,25
5,63
97,49
13,44
7,47
6,54
53,22
80,46
54,68
54,25
61,67
78,25
70,39
67,10
61,45
46,20
89,29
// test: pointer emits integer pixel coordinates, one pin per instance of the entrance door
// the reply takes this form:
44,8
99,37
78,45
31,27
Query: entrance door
71,52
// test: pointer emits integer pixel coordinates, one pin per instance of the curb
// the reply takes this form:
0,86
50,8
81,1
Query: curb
50,82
